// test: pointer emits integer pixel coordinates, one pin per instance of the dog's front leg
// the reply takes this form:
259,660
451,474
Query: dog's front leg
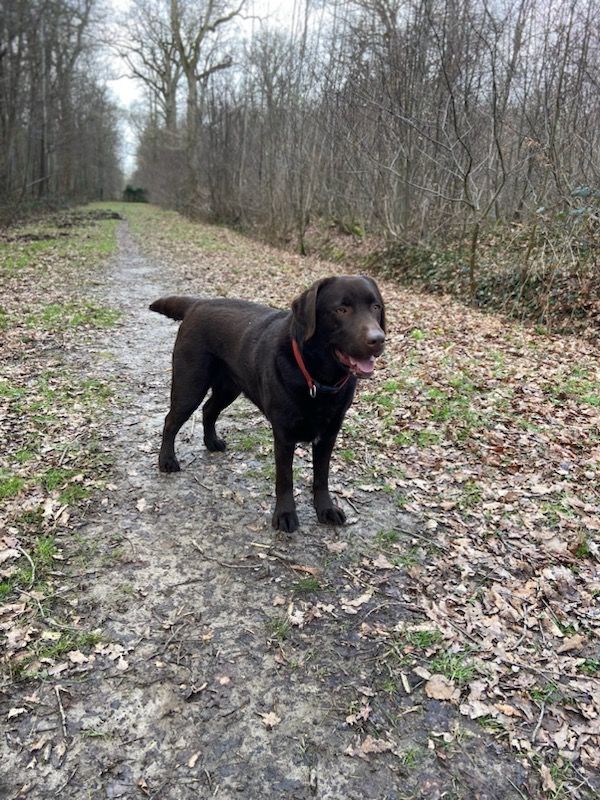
284,516
326,510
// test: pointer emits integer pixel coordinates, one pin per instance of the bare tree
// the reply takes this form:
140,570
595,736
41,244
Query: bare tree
44,127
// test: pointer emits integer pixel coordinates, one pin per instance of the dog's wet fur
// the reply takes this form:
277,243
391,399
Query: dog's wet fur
234,347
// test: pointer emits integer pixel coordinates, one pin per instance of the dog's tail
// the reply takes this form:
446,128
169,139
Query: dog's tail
173,307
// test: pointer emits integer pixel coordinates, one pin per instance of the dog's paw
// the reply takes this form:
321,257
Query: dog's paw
215,445
169,464
331,516
285,521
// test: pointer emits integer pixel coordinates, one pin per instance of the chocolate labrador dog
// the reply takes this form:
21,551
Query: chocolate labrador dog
299,367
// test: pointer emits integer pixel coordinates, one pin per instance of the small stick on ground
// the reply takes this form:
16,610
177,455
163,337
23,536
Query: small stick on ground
223,563
539,722
63,718
60,789
28,557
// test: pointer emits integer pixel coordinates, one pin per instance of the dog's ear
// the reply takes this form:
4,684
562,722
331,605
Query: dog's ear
304,310
379,300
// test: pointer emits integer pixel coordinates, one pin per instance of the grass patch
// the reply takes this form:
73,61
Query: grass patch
547,693
583,549
578,384
31,574
68,641
254,439
591,667
385,539
427,438
75,314
278,629
10,485
454,666
16,256
71,493
44,552
308,584
408,559
55,477
423,640
169,226
472,495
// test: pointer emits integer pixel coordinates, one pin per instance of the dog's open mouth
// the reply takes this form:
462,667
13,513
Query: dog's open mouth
361,367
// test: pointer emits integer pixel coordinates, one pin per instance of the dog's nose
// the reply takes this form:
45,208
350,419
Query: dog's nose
375,336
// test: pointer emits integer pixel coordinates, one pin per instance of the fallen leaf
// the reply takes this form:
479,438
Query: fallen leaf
438,687
12,609
295,616
8,553
360,716
547,779
77,657
574,642
508,710
367,691
305,569
270,720
381,562
51,636
336,547
352,606
368,746
39,743
475,709
422,672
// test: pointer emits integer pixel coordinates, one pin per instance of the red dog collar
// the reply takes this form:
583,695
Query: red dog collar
314,386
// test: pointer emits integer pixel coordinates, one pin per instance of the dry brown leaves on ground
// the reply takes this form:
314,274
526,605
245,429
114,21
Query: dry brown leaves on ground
490,433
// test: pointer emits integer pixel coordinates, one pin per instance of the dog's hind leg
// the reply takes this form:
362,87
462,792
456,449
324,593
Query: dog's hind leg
224,392
191,379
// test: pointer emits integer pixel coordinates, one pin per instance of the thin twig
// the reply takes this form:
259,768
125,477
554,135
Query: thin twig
46,619
393,600
28,557
351,504
223,563
516,788
63,719
185,583
59,791
539,722
204,486
444,548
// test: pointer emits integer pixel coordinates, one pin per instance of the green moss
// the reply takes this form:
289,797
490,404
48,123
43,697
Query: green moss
10,485
76,314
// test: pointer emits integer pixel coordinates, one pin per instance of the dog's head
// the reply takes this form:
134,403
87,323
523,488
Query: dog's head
345,315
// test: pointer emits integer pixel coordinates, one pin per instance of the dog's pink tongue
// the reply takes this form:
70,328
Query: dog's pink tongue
365,365
362,367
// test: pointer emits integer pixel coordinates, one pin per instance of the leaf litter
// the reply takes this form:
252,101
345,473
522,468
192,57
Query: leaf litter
476,589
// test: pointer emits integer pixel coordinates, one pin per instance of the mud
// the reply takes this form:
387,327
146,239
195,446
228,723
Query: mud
223,672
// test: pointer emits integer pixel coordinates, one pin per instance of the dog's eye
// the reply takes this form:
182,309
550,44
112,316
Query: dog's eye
376,307
342,310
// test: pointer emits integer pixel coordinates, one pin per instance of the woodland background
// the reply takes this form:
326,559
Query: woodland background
462,136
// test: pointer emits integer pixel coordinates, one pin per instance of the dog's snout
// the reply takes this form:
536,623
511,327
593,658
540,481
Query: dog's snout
375,336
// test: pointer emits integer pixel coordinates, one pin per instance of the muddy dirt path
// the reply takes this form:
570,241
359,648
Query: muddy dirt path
232,662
